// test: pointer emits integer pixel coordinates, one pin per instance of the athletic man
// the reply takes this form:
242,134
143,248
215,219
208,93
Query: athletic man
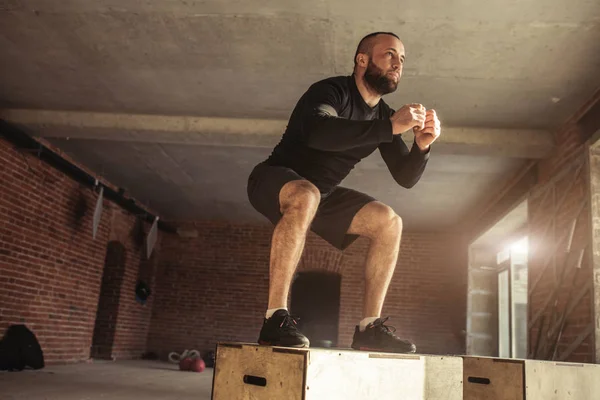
335,124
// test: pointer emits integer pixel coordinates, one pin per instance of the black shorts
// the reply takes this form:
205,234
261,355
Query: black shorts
334,215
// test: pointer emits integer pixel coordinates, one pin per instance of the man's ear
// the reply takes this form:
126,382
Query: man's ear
362,60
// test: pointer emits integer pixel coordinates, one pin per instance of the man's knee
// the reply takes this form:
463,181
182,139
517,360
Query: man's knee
300,197
385,222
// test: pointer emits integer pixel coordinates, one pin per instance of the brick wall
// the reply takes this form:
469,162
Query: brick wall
560,198
51,267
214,288
105,327
132,318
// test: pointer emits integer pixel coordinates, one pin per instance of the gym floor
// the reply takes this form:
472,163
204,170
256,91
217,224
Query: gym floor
121,380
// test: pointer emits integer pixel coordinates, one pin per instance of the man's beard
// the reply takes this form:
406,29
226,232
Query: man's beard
378,80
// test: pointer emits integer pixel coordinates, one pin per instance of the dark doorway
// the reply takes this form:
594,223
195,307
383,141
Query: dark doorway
316,301
108,302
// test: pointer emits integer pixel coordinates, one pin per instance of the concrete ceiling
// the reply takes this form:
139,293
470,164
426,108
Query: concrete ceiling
176,100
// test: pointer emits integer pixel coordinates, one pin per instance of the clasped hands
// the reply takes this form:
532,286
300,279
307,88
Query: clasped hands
424,123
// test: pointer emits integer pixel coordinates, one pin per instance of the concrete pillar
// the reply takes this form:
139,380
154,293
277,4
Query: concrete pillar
595,208
482,308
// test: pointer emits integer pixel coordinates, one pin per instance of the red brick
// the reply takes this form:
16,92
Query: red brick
51,268
569,149
215,287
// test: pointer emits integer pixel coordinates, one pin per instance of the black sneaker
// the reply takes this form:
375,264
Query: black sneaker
281,330
379,337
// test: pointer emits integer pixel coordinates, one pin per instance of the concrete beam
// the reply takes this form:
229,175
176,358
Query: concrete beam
243,132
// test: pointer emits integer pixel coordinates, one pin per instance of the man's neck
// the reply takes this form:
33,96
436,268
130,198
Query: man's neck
369,95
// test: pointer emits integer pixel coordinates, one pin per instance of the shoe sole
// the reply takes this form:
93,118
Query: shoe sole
295,346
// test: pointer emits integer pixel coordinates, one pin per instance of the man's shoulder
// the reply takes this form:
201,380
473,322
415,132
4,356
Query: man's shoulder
339,82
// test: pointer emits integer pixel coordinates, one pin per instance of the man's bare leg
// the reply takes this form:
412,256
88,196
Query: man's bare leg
299,201
383,227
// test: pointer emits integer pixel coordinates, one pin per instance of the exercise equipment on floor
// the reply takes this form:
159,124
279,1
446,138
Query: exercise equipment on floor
189,360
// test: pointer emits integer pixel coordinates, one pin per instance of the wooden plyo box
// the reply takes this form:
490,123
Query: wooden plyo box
250,371
501,379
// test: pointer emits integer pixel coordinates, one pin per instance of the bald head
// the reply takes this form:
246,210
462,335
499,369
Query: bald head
366,44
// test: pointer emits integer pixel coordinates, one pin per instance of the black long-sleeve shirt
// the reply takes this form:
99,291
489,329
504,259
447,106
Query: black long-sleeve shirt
332,128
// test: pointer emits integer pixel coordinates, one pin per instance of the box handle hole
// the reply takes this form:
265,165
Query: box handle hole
478,380
255,380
